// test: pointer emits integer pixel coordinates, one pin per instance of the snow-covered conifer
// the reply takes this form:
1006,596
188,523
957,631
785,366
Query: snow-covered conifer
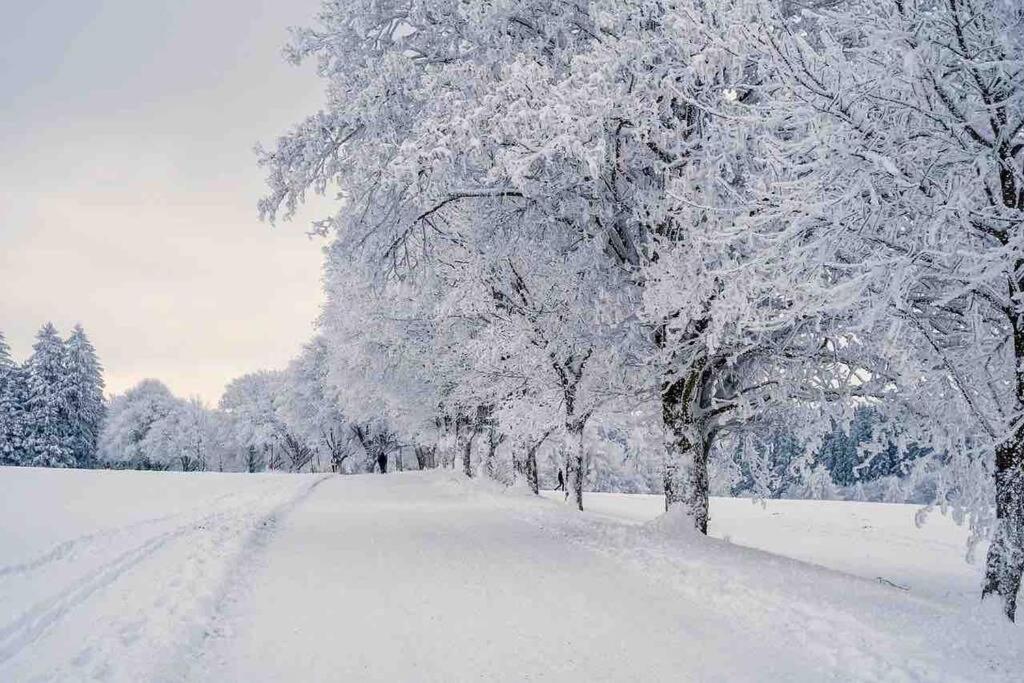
12,407
86,406
48,441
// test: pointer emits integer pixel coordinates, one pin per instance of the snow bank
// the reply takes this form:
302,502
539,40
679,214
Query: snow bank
877,541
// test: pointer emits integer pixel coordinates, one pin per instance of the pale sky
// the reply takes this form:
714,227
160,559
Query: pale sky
128,185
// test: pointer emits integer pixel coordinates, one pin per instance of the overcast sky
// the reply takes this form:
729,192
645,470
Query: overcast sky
128,185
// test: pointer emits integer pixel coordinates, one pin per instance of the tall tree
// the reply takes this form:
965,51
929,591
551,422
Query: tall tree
85,402
252,409
131,417
48,442
310,408
185,438
784,213
12,405
919,109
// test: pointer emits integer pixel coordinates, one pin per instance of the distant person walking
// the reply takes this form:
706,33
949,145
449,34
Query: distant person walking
561,482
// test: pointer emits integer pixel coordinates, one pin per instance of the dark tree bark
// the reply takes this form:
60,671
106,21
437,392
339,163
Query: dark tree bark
188,463
570,374
494,439
1004,565
337,447
472,423
688,444
467,455
426,457
253,461
530,470
275,461
532,476
575,464
299,454
463,442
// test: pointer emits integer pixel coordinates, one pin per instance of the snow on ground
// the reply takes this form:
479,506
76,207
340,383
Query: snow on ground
424,577
100,571
879,541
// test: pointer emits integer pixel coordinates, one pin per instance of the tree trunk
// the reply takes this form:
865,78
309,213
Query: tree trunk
687,446
456,446
532,477
700,484
574,464
425,457
467,456
494,439
1005,562
1004,565
530,465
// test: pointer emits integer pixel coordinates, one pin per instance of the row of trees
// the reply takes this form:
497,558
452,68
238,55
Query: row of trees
276,420
293,420
51,406
679,222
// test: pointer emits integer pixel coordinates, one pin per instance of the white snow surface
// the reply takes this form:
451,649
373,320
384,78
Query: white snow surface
127,576
880,541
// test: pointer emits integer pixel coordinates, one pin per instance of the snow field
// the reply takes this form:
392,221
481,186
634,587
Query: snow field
127,576
878,541
103,572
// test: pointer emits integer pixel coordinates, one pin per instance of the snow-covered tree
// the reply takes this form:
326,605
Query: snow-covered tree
186,438
12,407
254,422
86,408
310,408
48,441
131,417
746,212
918,115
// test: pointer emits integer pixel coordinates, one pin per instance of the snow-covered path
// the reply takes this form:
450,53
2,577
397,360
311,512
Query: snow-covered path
431,583
121,576
425,578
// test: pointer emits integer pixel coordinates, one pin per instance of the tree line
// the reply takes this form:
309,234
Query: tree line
292,420
675,225
51,406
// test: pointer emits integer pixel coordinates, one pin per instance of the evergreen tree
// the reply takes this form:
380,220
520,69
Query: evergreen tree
47,442
842,451
84,387
5,354
12,400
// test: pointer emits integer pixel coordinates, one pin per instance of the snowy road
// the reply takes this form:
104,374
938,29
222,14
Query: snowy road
427,583
413,578
425,577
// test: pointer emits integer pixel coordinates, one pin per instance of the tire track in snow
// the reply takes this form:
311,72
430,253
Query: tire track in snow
32,624
49,612
70,548
190,656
